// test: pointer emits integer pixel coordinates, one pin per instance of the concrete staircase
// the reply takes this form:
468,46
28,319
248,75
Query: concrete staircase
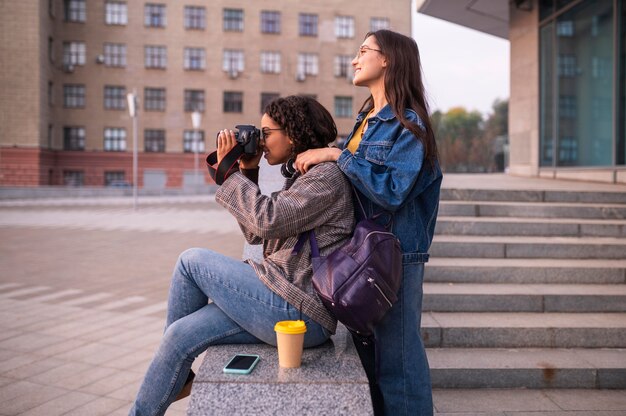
527,289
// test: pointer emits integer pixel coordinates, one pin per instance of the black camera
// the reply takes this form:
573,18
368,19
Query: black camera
248,138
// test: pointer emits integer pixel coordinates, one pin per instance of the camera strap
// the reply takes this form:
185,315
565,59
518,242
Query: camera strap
227,166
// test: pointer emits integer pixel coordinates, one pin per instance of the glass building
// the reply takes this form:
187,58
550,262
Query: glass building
568,63
582,83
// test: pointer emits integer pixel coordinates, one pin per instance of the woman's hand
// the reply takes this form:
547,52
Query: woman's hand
311,157
225,143
251,161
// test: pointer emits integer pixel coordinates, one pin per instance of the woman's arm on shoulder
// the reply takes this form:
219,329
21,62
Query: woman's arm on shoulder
306,160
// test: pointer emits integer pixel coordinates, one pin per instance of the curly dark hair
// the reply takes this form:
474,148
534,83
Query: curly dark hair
305,121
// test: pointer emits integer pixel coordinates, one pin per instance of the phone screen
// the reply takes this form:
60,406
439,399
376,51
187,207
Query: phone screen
241,362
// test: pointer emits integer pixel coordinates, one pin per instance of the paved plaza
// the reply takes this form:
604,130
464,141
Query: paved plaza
83,284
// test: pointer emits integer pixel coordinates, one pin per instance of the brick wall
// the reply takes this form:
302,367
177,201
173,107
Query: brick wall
36,167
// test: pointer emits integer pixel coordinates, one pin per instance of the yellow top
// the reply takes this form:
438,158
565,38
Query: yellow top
290,327
358,134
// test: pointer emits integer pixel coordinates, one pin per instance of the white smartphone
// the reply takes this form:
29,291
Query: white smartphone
242,364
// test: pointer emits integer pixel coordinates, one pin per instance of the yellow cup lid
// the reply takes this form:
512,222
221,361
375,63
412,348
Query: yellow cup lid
290,327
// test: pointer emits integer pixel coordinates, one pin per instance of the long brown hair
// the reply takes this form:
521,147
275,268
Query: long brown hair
404,88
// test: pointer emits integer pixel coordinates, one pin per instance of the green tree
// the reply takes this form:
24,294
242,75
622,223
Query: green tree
456,130
466,141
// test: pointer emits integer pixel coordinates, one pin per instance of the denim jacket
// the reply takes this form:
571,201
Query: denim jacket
390,174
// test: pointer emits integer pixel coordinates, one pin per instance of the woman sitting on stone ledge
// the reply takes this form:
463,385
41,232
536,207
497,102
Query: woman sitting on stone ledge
248,298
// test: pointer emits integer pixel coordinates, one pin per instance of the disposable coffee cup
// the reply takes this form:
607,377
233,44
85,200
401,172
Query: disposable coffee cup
290,341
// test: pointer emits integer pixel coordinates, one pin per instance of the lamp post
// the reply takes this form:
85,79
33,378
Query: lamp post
132,111
196,119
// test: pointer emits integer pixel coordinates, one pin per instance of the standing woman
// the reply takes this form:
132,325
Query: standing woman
391,159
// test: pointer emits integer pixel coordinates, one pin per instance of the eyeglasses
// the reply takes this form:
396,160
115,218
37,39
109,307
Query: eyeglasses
265,132
363,49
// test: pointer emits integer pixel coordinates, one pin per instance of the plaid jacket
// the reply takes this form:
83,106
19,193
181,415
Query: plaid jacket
321,199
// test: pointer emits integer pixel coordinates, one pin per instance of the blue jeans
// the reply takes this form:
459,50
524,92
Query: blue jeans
243,311
404,374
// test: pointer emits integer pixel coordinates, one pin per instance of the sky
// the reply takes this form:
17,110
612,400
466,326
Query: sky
462,67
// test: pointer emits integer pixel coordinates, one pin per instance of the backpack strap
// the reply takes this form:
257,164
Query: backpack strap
315,252
361,210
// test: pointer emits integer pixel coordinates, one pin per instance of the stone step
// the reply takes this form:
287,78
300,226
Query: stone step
519,226
523,330
476,297
528,247
456,194
532,368
532,209
485,270
504,195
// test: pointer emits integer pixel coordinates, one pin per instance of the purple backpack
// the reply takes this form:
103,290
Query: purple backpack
359,282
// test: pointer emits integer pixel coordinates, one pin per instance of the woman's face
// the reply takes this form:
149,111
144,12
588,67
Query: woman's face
369,64
276,144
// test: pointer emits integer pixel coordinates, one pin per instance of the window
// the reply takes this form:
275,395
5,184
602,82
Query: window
343,66
115,54
307,64
233,61
195,17
270,62
155,57
565,28
73,138
270,22
194,59
114,139
50,135
578,102
51,50
378,23
192,140
567,65
568,151
114,177
74,53
75,10
154,140
73,178
194,100
601,68
567,106
154,99
50,93
115,13
343,107
233,20
154,15
308,24
266,98
344,27
233,102
114,97
73,96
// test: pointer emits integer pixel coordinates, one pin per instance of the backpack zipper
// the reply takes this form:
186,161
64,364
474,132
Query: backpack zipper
371,280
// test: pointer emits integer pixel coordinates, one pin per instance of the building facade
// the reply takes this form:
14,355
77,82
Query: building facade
567,106
66,67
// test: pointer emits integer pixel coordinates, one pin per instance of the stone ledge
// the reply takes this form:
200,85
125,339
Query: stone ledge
331,381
